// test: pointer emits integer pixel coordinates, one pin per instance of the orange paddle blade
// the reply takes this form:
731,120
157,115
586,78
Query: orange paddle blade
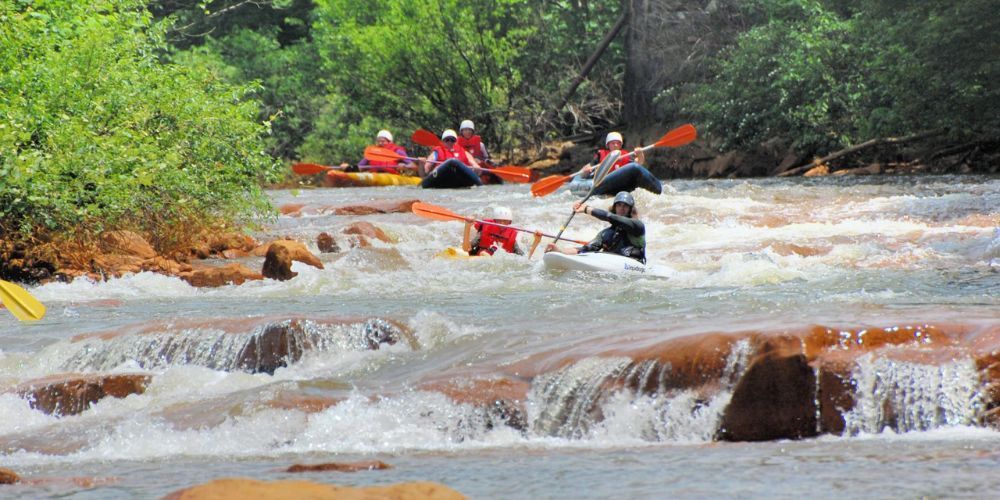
548,185
309,168
679,136
434,212
375,153
512,174
426,138
526,172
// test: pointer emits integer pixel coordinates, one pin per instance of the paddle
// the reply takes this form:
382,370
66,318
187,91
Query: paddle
677,137
315,168
375,153
440,213
427,138
599,175
20,303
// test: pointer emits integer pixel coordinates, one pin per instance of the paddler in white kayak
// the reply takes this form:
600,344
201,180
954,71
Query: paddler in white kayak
490,238
626,235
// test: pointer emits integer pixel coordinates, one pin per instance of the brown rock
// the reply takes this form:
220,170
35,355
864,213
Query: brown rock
275,347
127,243
377,207
164,265
340,467
231,241
234,273
296,250
72,394
836,390
817,171
8,476
367,230
357,210
291,209
278,263
234,253
115,264
775,398
241,489
326,243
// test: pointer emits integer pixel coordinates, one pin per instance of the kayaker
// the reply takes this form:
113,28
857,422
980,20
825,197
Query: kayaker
613,142
489,238
383,140
626,235
449,152
471,142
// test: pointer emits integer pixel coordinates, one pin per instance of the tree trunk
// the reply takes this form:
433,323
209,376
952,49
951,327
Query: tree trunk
668,43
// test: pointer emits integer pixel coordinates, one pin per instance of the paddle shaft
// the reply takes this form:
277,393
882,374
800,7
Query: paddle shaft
570,219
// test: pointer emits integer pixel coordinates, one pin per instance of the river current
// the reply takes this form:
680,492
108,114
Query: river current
740,255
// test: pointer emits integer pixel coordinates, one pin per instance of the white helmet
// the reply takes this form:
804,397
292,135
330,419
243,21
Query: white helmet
502,213
384,134
449,133
613,136
467,124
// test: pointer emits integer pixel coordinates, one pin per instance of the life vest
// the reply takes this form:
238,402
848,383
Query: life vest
493,237
473,145
387,166
615,240
443,154
622,161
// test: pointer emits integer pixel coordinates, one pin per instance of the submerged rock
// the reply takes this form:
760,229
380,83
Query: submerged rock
71,394
229,274
240,489
340,467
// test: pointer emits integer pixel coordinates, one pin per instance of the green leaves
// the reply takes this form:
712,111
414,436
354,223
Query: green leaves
827,74
99,130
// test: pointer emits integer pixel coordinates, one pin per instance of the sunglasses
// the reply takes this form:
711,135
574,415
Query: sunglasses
449,140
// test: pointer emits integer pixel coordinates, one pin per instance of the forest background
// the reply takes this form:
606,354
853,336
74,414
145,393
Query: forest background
155,115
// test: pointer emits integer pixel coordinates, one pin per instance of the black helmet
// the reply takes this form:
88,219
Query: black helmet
624,197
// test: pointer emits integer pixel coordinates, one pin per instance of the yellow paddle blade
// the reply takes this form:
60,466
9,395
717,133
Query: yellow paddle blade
20,303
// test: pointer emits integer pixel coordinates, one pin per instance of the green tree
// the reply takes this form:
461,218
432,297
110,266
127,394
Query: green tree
96,132
828,74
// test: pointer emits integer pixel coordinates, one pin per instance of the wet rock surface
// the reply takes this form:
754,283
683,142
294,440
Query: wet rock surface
240,489
72,394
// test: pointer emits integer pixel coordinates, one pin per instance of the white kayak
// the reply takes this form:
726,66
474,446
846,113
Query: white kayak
600,262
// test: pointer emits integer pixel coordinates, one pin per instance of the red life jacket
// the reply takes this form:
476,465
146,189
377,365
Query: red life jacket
473,145
493,237
443,154
622,161
387,166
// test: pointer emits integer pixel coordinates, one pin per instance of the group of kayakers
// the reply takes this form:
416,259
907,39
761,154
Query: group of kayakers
625,236
465,147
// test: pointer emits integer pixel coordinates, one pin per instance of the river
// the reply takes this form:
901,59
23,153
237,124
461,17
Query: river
771,255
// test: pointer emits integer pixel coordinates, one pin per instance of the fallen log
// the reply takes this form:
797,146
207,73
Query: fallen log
864,145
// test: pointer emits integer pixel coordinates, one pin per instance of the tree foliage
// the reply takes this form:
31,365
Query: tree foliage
824,74
96,131
402,65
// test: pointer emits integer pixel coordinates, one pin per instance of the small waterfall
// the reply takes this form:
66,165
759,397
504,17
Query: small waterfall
263,349
619,397
905,396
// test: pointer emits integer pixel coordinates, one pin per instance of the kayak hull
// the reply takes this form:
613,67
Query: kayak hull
361,179
628,178
451,175
599,262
